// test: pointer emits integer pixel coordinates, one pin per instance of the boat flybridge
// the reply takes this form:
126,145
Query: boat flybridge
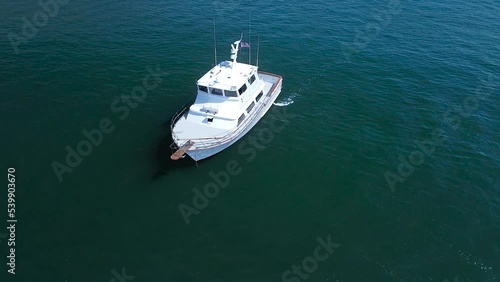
232,97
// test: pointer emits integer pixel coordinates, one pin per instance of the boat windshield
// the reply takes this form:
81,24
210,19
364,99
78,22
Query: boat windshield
230,93
203,88
216,91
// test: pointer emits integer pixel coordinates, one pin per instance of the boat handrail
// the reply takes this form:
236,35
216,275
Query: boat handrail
179,113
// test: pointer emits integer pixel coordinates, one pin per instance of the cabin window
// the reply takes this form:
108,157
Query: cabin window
259,96
251,79
240,120
210,119
216,91
242,89
230,93
249,109
203,88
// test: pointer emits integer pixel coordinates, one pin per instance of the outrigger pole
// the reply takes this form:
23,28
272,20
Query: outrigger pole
258,46
215,45
249,39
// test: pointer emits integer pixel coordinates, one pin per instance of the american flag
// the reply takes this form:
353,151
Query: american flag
245,45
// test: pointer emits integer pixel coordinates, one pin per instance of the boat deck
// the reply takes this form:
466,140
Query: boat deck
186,130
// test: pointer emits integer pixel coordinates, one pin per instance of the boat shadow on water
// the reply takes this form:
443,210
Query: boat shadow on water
162,163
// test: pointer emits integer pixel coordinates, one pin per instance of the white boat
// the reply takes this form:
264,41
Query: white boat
232,97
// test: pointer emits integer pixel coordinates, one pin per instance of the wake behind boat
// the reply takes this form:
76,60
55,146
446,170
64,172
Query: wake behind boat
232,97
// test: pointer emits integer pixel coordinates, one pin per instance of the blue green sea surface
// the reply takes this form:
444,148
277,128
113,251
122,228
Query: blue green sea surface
379,162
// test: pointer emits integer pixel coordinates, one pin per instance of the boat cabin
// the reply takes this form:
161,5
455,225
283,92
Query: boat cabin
227,81
225,93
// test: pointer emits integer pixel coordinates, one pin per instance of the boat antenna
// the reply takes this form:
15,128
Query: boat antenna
235,47
258,47
249,38
215,45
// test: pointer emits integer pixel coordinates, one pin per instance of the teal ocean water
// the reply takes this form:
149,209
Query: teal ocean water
386,166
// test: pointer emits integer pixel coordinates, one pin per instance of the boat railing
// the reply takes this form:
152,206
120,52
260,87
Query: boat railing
213,141
177,116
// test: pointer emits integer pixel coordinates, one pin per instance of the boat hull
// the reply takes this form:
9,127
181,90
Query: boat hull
200,154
